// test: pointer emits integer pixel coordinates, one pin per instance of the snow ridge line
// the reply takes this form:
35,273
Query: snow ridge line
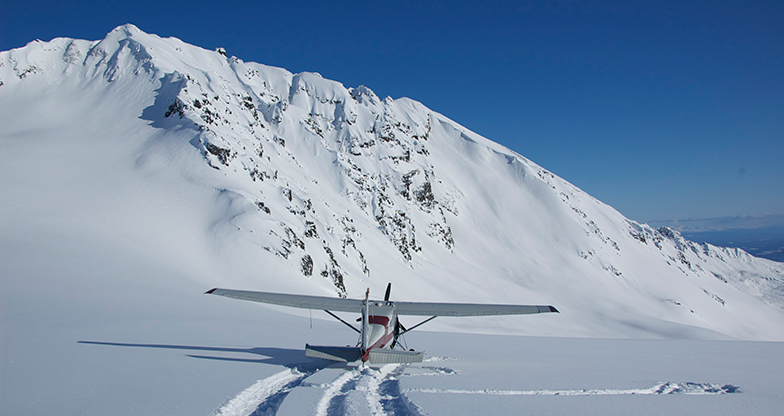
334,390
393,401
435,371
249,400
380,389
368,384
661,388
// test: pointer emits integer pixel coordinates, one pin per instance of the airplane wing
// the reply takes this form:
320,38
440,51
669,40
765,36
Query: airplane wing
468,309
294,301
403,308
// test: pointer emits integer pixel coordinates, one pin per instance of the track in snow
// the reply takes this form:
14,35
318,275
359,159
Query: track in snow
264,397
378,390
661,388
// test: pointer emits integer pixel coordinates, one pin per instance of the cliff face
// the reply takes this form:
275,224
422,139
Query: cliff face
308,186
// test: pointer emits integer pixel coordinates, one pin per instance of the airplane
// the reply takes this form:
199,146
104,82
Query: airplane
380,327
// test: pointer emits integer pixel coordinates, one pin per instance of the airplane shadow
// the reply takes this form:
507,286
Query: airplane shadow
291,358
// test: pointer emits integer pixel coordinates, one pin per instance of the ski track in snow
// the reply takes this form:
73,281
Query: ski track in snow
379,391
264,397
392,398
334,399
434,371
661,388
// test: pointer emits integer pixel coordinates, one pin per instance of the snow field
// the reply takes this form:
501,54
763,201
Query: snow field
115,218
262,396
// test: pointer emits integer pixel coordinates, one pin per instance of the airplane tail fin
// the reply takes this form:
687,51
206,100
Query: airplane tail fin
345,354
376,356
384,356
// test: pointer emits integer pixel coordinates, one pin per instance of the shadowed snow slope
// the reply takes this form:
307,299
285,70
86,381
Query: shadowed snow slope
218,172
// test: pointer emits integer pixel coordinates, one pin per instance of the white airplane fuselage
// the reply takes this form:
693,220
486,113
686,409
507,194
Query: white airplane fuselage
378,323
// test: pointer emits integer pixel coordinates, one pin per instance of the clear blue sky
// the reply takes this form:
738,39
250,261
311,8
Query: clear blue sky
664,110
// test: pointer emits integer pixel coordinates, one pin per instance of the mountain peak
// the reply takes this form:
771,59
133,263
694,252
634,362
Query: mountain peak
328,189
128,29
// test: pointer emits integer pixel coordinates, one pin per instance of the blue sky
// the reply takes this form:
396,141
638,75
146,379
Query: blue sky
664,110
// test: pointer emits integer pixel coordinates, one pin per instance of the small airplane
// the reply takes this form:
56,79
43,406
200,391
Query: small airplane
380,327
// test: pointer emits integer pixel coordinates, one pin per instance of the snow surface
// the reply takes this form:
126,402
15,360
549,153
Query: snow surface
138,172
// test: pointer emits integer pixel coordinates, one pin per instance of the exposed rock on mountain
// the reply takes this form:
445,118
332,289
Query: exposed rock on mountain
321,188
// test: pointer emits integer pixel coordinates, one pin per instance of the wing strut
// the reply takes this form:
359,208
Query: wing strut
341,320
417,325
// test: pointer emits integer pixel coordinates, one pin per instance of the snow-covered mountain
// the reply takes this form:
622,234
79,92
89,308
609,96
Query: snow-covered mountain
248,176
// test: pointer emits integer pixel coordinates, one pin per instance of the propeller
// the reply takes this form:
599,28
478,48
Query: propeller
398,328
396,333
398,325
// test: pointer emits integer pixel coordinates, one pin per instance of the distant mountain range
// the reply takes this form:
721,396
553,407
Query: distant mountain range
746,222
765,242
291,182
761,236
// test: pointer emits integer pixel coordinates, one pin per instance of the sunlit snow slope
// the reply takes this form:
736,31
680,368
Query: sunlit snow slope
248,176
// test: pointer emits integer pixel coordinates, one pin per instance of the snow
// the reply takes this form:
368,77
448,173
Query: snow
115,218
262,393
216,356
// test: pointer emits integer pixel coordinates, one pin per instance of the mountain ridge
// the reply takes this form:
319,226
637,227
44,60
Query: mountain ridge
333,189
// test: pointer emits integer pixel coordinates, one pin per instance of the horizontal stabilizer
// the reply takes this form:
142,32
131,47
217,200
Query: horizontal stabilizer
384,356
345,354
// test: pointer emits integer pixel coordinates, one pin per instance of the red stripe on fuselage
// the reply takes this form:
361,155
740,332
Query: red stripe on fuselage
378,320
379,344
